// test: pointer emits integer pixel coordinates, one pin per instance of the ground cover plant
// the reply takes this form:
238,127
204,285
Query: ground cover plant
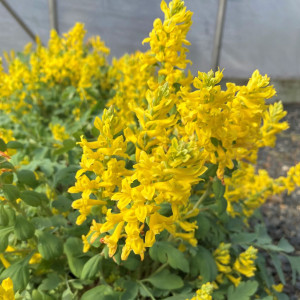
160,198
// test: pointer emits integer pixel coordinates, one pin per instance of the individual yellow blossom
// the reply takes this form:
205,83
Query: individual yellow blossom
4,261
7,290
204,293
35,259
235,280
244,264
278,288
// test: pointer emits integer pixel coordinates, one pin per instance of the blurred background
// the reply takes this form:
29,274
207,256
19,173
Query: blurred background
257,34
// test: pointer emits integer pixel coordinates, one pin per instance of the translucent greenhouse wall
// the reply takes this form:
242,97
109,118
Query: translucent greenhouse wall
257,34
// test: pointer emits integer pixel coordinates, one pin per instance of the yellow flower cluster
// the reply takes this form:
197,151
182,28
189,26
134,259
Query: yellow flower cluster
150,153
7,290
244,264
204,293
227,124
246,191
59,132
67,61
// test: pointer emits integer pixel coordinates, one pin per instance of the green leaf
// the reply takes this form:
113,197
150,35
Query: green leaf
101,292
67,294
132,263
243,238
277,264
39,295
2,145
203,264
11,192
49,245
6,178
218,188
165,252
4,217
50,283
23,228
165,280
262,236
91,267
31,198
181,296
73,248
295,265
243,291
62,203
131,290
69,144
19,274
4,234
281,296
41,222
6,165
66,176
204,225
27,177
263,271
285,246
14,145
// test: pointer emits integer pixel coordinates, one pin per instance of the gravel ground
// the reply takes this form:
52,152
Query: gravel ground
282,213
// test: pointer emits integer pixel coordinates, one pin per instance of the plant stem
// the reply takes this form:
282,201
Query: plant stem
156,271
146,290
200,200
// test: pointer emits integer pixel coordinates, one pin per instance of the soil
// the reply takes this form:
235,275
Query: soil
282,213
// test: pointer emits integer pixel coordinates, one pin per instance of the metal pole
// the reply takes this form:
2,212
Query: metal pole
18,19
52,4
218,34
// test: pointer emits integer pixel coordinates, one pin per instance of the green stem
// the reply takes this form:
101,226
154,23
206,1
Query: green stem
156,271
200,200
146,290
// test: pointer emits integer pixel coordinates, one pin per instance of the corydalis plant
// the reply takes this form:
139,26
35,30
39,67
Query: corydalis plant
144,172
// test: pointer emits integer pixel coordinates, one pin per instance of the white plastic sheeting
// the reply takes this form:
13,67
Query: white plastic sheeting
263,34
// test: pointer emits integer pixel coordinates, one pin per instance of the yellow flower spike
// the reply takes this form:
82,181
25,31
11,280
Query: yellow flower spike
7,290
222,258
244,264
205,292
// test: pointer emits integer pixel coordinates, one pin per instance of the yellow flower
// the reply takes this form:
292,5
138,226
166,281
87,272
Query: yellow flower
204,293
244,264
222,258
59,132
36,258
7,290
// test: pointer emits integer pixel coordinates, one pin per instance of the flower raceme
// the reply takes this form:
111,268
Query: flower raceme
138,178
